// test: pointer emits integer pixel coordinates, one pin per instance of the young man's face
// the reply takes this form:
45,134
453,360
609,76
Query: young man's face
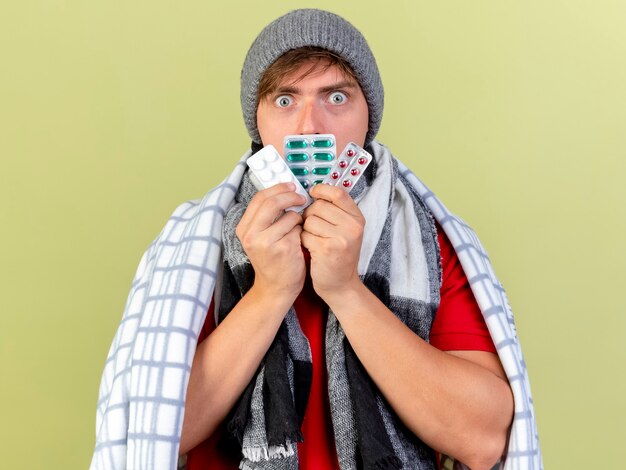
323,102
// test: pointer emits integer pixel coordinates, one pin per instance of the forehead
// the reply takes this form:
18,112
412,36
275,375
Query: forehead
315,71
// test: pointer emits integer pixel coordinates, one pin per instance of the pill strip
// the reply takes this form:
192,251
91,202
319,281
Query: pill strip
268,168
310,157
349,167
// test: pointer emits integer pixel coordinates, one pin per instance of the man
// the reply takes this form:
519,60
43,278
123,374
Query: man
366,283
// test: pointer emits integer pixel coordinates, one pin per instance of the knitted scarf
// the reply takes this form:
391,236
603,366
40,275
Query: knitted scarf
142,393
400,244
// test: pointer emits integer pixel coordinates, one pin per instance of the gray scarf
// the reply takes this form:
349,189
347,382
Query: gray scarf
400,263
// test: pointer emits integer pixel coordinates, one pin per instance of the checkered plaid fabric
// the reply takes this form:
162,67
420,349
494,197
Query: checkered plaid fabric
142,393
523,448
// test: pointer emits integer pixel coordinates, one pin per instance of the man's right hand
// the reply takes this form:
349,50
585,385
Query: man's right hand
271,239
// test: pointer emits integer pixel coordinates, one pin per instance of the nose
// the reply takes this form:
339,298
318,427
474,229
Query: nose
310,119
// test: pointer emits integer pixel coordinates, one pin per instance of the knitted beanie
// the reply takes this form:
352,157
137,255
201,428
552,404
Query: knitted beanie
318,28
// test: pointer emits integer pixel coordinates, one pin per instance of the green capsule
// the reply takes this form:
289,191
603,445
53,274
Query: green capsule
323,157
323,171
304,183
317,182
296,144
300,171
297,157
322,143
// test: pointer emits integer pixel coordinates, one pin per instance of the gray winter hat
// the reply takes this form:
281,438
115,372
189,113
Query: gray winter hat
318,28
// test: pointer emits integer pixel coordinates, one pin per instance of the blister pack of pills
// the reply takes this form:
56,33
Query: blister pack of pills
349,167
268,168
310,157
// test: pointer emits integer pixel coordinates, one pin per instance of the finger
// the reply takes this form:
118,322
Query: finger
308,240
264,194
319,227
273,208
337,196
268,209
259,197
326,210
276,189
295,233
291,239
284,225
284,233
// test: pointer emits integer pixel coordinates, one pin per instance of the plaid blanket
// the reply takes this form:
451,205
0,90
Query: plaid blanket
142,393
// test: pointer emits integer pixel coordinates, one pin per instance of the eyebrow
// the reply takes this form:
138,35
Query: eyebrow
293,90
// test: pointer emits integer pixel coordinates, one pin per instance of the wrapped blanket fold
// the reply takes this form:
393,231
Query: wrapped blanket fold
142,393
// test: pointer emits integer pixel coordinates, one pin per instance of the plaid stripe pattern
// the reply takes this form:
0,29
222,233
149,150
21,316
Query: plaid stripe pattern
524,451
142,392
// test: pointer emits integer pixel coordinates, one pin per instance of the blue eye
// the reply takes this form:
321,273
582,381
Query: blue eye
283,101
337,97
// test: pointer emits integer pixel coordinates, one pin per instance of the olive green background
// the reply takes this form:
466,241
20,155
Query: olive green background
112,113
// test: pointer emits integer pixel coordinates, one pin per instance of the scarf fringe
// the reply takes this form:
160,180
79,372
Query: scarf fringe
258,453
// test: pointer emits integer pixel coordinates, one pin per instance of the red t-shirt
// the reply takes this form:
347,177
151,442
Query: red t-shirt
458,325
